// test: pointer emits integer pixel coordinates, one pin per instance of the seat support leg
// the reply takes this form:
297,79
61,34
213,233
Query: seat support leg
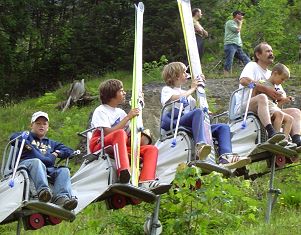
272,193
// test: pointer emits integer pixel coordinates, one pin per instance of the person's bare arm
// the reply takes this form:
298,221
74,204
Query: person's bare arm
194,85
123,122
200,30
270,92
205,33
285,100
239,25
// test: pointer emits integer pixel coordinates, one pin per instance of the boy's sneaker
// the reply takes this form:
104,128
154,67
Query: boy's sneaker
44,195
202,150
66,202
277,137
294,147
71,204
124,176
291,145
233,161
155,187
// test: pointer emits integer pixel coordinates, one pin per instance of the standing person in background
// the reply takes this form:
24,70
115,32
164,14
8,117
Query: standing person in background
233,42
200,32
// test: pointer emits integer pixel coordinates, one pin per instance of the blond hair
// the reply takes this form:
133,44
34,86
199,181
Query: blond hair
281,69
172,71
108,90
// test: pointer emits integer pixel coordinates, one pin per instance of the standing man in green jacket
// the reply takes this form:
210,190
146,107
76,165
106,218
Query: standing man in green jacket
233,42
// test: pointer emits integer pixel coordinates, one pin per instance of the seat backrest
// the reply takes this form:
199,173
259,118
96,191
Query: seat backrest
244,139
170,107
103,152
9,157
237,96
87,134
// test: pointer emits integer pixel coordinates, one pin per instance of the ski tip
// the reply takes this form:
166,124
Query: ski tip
141,6
11,183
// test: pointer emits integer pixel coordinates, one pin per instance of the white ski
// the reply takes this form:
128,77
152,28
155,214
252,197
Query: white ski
137,95
196,68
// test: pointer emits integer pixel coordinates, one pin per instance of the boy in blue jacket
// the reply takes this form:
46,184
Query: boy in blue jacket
39,156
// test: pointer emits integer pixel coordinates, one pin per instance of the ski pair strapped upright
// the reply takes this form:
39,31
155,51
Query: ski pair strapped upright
137,95
195,68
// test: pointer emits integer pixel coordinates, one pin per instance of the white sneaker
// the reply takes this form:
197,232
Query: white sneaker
233,160
155,186
291,145
202,150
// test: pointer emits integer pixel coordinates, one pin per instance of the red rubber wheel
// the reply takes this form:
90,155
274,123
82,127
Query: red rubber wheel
198,184
293,159
118,201
54,220
280,160
36,221
134,201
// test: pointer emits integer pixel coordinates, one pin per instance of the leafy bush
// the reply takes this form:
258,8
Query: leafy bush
220,203
149,66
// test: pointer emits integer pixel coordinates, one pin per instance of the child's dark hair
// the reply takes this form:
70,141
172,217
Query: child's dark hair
108,90
195,11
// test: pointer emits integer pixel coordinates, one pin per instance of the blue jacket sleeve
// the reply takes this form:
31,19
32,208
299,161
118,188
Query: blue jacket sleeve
30,151
20,136
15,135
62,150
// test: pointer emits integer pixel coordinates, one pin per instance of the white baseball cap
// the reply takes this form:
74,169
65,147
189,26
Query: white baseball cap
38,114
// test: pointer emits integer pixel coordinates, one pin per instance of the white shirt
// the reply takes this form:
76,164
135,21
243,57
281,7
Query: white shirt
256,73
167,92
107,116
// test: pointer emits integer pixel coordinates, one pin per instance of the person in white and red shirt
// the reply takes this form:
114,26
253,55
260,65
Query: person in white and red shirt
115,123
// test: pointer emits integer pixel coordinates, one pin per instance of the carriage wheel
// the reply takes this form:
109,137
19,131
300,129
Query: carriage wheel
134,201
118,201
54,220
36,221
293,159
148,227
197,185
280,160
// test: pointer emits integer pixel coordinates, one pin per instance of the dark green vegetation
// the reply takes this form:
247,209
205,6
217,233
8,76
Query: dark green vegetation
45,43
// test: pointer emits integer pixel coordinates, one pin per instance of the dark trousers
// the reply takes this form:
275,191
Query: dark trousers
201,45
